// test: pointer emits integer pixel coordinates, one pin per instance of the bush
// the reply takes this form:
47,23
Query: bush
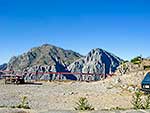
146,67
137,100
83,105
136,60
147,102
138,103
123,62
24,104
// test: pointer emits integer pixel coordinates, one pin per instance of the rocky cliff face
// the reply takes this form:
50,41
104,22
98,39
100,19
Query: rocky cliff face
47,55
97,61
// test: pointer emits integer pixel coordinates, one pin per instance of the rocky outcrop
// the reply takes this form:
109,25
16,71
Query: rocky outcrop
97,61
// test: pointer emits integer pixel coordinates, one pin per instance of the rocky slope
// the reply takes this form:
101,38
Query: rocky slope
97,61
3,66
46,55
129,67
49,58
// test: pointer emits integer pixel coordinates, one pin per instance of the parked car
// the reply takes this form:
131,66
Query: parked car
14,80
145,84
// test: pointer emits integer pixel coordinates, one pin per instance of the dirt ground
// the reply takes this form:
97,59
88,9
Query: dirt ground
51,96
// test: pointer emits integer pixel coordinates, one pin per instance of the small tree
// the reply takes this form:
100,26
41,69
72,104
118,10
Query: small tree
83,105
24,104
147,102
137,100
137,60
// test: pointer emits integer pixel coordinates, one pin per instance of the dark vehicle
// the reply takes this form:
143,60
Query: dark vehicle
146,83
14,80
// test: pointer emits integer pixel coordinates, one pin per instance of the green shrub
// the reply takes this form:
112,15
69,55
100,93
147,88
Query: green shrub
146,67
138,103
24,104
83,105
123,62
137,100
147,102
3,106
136,60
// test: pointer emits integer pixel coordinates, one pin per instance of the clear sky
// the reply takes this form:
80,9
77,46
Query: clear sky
118,26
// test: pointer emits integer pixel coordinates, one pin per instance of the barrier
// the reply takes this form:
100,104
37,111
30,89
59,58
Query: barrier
59,75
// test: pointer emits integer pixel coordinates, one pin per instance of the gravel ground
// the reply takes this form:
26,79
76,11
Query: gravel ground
63,95
4,110
60,97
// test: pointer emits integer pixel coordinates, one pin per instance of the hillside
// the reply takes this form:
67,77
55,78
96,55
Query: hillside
45,55
136,64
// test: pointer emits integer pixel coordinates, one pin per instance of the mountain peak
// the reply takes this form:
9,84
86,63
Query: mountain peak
43,55
97,61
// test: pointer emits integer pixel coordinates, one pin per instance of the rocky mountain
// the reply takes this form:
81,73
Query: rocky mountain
49,58
97,61
47,55
3,66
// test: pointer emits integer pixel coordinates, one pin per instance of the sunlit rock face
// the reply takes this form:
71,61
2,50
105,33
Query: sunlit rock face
97,61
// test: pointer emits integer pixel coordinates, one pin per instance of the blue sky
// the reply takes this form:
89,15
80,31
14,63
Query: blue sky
118,26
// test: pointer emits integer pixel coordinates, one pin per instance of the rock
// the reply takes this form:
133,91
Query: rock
131,89
117,80
71,93
124,86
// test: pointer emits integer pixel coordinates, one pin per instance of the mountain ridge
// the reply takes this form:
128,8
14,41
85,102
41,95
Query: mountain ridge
43,55
50,58
96,57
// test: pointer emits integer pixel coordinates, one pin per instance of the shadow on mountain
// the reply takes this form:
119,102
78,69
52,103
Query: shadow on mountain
61,68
